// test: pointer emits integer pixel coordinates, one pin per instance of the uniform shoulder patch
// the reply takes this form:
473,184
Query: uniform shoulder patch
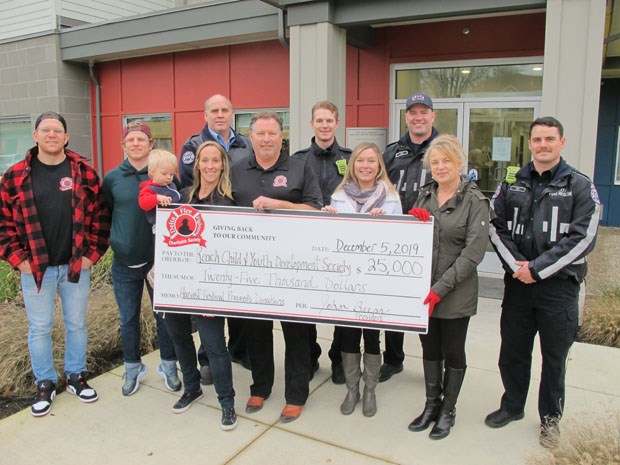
188,157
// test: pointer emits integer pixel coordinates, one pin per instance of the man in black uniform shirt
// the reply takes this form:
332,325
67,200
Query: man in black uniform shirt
329,161
270,180
545,225
403,160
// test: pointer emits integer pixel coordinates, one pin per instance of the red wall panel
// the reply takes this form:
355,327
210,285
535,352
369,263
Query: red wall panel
147,84
186,124
198,75
499,36
259,75
351,86
111,128
109,75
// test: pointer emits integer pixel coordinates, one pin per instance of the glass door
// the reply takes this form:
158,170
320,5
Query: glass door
495,137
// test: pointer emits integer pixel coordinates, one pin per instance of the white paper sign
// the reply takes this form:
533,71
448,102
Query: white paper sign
501,148
377,136
353,270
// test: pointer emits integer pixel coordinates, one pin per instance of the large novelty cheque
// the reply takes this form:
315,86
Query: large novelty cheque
352,270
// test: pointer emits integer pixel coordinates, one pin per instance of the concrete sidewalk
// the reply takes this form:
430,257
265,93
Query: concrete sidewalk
142,429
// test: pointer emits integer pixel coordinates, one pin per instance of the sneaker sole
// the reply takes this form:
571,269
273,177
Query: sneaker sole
185,409
138,378
170,388
49,409
86,400
228,427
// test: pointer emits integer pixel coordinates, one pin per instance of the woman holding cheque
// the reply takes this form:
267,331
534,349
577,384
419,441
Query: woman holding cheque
461,214
365,188
211,187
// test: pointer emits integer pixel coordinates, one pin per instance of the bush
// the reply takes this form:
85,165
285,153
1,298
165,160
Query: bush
589,441
601,319
104,345
10,285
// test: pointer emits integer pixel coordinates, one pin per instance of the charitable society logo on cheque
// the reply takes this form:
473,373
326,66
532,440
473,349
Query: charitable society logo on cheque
185,226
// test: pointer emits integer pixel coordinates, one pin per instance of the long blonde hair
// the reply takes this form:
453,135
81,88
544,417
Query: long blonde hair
223,184
349,175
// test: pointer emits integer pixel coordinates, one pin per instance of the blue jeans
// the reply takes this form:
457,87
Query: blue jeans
211,331
128,286
40,313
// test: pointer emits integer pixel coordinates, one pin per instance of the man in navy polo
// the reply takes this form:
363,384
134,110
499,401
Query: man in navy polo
271,180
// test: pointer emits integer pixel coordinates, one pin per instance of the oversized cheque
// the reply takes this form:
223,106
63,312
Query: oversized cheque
353,270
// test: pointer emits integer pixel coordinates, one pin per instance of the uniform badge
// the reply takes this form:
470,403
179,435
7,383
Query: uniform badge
66,184
402,153
185,226
511,174
188,157
342,166
280,181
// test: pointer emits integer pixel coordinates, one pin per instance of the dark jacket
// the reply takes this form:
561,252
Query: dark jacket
323,163
460,239
20,230
405,168
240,148
131,237
564,223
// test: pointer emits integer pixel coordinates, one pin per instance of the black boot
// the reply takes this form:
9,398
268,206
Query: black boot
432,379
452,382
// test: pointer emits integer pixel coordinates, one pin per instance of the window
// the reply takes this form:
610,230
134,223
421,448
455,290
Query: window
243,118
510,80
161,128
15,140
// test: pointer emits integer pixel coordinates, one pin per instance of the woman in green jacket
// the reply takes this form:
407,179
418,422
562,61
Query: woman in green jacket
461,214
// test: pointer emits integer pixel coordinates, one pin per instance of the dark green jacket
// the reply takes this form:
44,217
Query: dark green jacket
459,243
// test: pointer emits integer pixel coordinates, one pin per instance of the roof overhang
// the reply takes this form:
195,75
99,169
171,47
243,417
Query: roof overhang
227,22
173,30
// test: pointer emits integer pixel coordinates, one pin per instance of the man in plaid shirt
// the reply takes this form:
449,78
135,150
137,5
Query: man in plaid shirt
54,224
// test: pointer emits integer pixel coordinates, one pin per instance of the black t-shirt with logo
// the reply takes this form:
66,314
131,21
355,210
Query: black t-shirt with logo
53,187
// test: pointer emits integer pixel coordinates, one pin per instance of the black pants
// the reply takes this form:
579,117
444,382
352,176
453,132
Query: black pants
394,354
259,335
211,332
335,350
236,342
351,340
549,307
445,340
315,348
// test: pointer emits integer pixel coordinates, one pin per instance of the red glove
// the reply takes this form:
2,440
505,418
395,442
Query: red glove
420,213
432,299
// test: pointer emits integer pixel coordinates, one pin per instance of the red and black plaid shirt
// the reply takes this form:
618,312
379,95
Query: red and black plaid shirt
21,236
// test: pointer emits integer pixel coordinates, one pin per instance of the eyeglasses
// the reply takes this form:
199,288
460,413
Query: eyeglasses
47,130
